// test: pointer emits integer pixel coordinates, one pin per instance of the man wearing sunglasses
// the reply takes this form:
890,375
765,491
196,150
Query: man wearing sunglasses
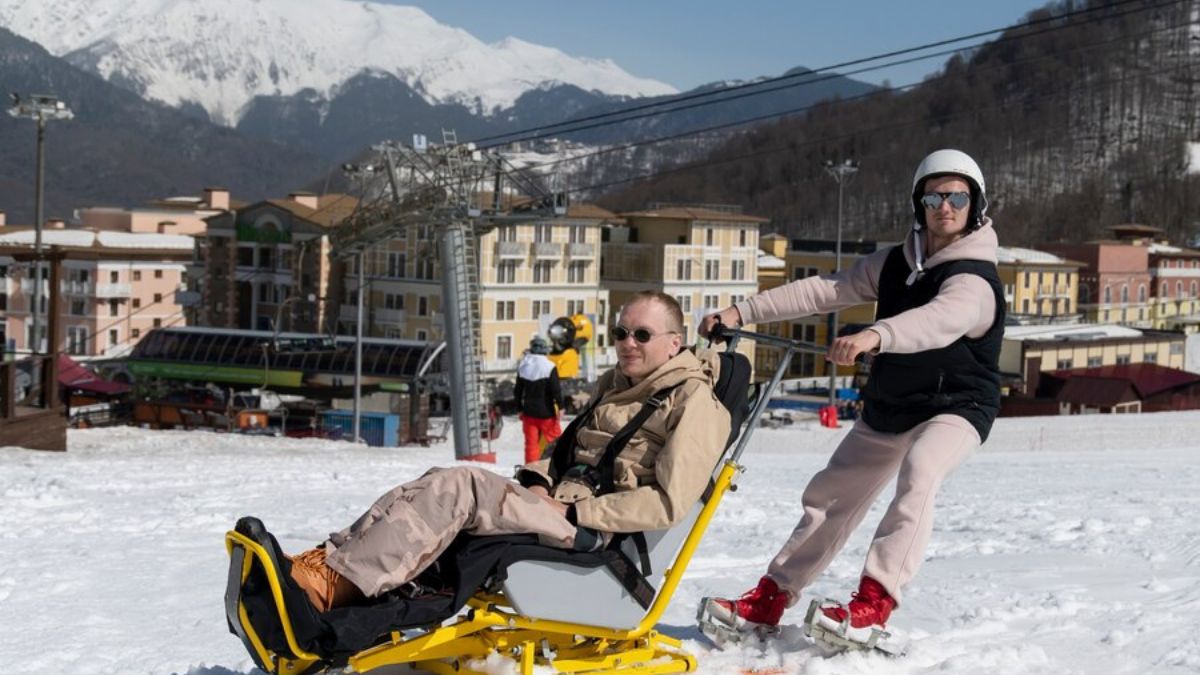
656,477
930,400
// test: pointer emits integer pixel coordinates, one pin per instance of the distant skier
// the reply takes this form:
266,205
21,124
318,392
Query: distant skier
539,396
930,401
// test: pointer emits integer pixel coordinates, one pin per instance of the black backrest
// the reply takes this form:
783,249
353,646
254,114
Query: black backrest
732,389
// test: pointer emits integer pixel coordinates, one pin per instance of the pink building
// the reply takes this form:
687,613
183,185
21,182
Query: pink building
115,287
1114,284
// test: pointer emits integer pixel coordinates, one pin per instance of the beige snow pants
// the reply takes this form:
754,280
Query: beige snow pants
837,499
407,528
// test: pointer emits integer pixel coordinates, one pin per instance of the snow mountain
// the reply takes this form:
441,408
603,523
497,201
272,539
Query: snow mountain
218,56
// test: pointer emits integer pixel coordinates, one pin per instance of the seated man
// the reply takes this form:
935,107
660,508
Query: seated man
656,477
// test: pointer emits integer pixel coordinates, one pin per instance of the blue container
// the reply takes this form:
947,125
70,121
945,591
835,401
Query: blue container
379,430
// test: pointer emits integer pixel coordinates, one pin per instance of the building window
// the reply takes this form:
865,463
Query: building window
113,308
683,269
1108,295
712,302
1178,290
135,333
504,347
804,272
1064,364
393,301
574,307
157,298
708,236
1122,359
264,293
541,272
1026,276
114,337
576,272
685,303
1192,289
505,309
1025,306
1150,357
114,277
422,306
77,309
1162,290
137,302
540,307
602,312
736,298
578,234
1094,361
425,268
742,238
76,340
1067,306
543,233
506,272
158,323
712,269
506,233
245,256
397,262
739,270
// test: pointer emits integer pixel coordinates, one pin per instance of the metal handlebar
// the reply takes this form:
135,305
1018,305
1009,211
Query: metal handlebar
731,336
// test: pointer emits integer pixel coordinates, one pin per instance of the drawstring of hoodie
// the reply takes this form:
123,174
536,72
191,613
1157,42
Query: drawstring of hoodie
918,257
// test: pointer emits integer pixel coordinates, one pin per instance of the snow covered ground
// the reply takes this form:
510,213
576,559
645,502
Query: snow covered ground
1067,545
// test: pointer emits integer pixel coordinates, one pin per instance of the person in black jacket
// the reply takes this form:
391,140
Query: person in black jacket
539,396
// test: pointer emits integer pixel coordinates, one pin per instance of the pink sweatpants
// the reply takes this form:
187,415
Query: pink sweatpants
838,497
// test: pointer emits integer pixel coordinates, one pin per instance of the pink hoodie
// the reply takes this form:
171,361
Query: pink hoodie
964,304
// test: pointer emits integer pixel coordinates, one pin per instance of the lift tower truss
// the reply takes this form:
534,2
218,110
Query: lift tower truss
460,192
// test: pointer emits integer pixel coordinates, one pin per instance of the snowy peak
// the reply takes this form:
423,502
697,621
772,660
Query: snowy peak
220,54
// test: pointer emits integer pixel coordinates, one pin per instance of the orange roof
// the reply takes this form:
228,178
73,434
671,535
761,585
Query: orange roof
691,213
586,210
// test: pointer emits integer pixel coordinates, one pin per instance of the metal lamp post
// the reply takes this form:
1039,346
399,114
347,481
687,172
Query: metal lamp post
842,172
41,108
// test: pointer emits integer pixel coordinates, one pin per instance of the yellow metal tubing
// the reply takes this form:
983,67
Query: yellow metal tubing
233,538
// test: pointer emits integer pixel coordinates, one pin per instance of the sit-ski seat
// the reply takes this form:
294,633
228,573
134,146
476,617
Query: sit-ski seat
574,612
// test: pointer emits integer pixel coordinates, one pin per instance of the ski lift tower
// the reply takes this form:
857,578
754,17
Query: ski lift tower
443,186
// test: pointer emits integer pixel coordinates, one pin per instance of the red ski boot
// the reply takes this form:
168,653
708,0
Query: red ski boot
757,611
859,625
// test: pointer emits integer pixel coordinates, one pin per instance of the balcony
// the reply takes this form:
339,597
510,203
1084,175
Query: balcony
499,365
350,312
75,287
581,250
105,291
547,249
389,316
1051,291
188,298
511,250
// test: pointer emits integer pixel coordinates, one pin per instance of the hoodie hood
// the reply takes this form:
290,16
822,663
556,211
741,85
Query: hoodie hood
978,244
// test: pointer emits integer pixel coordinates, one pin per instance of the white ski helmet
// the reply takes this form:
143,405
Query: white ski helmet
952,163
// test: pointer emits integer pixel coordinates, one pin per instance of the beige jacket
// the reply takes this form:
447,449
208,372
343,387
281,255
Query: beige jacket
667,464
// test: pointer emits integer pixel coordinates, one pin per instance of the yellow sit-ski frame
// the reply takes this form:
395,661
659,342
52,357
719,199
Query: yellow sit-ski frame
490,626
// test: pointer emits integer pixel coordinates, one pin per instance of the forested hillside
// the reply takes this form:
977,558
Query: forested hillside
1079,122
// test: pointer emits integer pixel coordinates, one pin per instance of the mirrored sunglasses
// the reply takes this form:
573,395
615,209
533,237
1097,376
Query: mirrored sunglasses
958,200
619,333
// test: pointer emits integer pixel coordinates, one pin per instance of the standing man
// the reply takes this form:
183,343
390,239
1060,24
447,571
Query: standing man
933,393
539,396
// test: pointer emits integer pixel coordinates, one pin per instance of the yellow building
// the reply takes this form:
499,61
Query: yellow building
529,274
1027,351
1039,287
707,258
807,258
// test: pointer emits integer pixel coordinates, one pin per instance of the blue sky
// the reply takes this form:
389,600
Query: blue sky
690,42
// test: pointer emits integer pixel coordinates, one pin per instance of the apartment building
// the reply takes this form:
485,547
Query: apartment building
1114,281
1175,287
707,258
1039,287
173,215
268,265
114,287
530,273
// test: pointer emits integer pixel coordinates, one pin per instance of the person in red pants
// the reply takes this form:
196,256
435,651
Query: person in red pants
539,396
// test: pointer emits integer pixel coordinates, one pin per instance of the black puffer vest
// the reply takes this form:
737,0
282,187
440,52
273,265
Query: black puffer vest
962,378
